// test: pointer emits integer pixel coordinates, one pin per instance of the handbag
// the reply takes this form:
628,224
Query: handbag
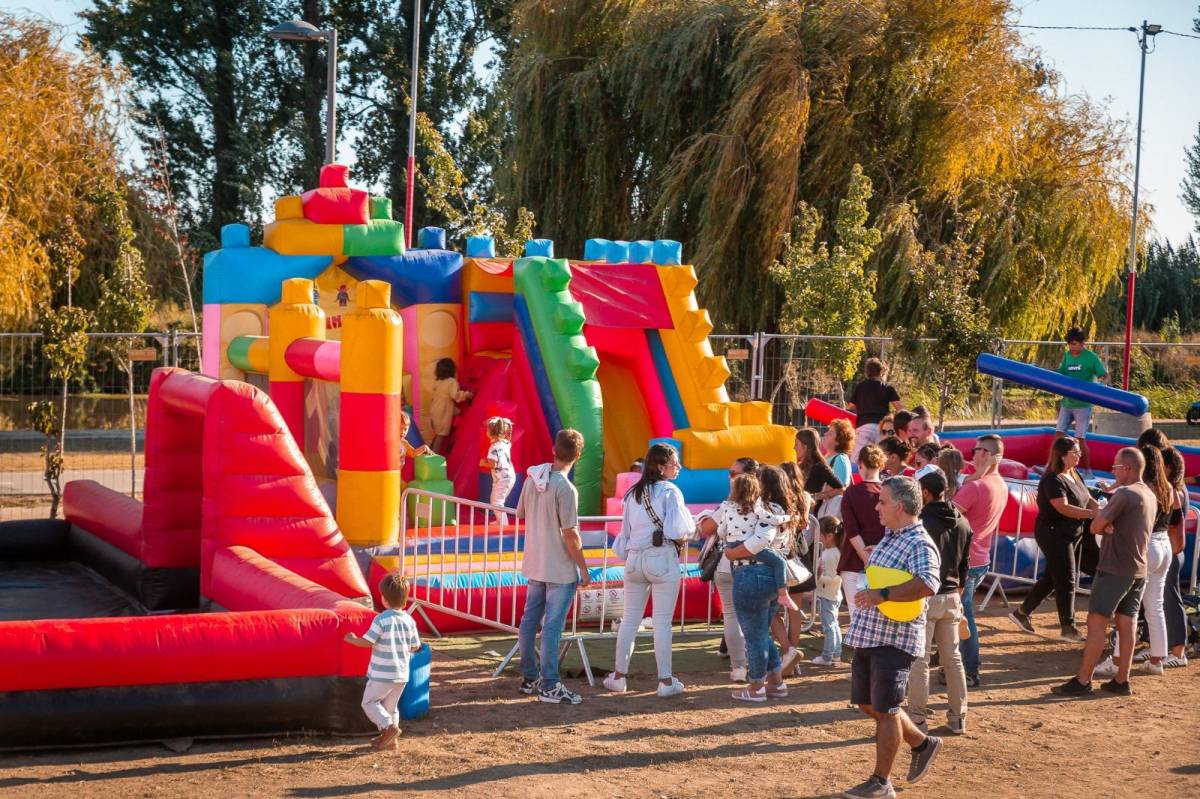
659,536
797,571
710,558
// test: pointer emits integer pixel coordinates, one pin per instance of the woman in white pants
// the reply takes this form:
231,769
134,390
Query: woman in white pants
735,642
654,523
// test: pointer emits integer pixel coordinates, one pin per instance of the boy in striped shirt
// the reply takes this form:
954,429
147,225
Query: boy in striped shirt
392,638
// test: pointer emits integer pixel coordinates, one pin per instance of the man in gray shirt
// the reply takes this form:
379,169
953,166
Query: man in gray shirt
1125,524
553,565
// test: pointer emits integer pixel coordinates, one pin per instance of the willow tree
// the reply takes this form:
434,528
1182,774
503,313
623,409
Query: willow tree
712,121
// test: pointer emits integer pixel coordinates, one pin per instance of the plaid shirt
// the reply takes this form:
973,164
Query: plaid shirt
912,550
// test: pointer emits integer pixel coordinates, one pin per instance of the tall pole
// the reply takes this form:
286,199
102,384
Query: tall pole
331,97
1137,168
412,123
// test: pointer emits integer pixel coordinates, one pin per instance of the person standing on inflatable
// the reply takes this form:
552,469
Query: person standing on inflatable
1082,364
871,400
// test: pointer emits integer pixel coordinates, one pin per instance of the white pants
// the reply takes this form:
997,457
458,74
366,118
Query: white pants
650,573
850,589
735,642
1158,563
379,702
500,488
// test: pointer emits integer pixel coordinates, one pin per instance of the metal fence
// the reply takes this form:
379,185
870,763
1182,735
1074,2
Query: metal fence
105,420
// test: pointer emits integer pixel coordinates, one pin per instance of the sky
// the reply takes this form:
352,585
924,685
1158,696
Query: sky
1101,64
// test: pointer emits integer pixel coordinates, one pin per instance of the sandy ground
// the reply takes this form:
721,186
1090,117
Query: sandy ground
483,739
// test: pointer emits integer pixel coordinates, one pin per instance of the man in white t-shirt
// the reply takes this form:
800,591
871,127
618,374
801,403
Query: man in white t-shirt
553,565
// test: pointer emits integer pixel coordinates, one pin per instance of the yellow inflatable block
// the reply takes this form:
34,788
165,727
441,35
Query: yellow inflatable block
715,449
699,375
751,412
368,507
336,291
293,317
438,336
301,237
884,577
289,208
372,343
487,274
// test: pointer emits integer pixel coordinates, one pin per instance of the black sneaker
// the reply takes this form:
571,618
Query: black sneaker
723,649
559,695
873,788
1022,620
1117,688
973,681
923,761
1072,687
1069,632
528,687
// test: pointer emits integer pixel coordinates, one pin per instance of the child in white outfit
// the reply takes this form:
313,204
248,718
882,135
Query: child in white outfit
829,588
499,460
743,516
392,638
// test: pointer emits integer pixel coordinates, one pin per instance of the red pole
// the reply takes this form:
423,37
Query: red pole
408,209
1128,328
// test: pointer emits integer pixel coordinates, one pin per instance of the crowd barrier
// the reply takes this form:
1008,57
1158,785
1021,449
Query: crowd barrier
465,573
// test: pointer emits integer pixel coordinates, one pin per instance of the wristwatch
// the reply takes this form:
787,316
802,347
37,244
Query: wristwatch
883,593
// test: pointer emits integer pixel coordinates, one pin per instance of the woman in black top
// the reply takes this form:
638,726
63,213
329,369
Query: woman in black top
1064,504
819,480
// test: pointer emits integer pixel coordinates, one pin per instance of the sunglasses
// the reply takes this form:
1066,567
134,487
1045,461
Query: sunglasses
886,431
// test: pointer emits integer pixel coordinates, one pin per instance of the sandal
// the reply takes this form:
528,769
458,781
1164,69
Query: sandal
747,695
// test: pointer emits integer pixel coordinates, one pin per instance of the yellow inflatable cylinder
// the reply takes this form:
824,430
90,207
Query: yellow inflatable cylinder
295,316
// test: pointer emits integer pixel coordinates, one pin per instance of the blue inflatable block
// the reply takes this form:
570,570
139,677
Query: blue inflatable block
640,252
431,238
667,253
536,365
617,252
699,486
1046,380
236,235
595,249
414,700
666,378
490,306
254,274
539,247
419,277
481,247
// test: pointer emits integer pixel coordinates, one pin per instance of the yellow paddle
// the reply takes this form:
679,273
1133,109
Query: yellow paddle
884,577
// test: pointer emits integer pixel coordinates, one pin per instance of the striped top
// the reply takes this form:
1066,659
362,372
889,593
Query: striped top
393,635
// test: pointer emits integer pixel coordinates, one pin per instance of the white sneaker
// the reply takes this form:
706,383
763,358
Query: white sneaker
1172,662
1106,668
789,659
675,688
821,660
1150,668
614,683
737,674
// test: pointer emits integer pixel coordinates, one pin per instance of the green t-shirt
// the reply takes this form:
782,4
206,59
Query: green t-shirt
1086,366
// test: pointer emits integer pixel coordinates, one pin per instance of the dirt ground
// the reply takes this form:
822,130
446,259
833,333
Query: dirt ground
483,739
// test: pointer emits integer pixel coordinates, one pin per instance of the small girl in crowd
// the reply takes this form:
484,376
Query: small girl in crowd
442,408
743,516
829,590
499,460
407,450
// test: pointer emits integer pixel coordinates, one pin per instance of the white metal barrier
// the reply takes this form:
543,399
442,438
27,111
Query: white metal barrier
447,545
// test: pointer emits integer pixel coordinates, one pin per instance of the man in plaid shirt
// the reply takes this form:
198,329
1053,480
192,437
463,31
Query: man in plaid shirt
884,649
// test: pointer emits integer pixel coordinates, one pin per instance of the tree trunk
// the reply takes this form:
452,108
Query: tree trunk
313,64
226,197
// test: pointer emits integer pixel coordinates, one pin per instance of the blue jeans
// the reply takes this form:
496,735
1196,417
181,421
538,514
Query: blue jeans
970,647
546,606
828,608
1079,418
754,595
774,561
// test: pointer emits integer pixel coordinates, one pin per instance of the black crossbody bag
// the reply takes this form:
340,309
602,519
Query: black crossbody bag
659,536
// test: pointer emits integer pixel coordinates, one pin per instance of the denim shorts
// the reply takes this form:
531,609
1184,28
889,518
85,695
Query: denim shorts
879,678
1116,593
1079,417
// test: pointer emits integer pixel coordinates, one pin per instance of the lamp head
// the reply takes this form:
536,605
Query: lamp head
1153,29
297,30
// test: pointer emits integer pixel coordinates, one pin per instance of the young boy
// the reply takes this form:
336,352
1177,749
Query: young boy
392,638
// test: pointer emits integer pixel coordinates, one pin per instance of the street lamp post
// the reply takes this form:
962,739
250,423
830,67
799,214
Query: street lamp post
1143,37
297,30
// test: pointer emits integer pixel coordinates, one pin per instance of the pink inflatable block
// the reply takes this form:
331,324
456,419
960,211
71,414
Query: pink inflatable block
337,206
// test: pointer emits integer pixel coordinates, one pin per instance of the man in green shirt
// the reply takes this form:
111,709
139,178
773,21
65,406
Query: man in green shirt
1082,364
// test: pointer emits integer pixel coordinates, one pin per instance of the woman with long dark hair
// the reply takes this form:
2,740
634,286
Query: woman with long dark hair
778,498
1173,609
819,480
654,523
1064,506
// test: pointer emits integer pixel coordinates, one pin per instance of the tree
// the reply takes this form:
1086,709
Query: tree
1191,177
949,314
711,121
65,348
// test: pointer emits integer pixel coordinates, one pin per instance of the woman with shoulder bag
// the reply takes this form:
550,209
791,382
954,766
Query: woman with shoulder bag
1064,507
1177,624
654,523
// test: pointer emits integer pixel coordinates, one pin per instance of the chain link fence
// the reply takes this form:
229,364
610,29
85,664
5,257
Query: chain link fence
105,413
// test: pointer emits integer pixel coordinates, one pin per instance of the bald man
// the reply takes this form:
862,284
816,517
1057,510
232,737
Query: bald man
1125,524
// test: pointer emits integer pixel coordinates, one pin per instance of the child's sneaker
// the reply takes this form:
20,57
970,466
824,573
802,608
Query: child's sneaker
674,688
1106,669
614,683
737,674
786,600
789,659
559,695
821,660
528,687
1150,668
386,738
